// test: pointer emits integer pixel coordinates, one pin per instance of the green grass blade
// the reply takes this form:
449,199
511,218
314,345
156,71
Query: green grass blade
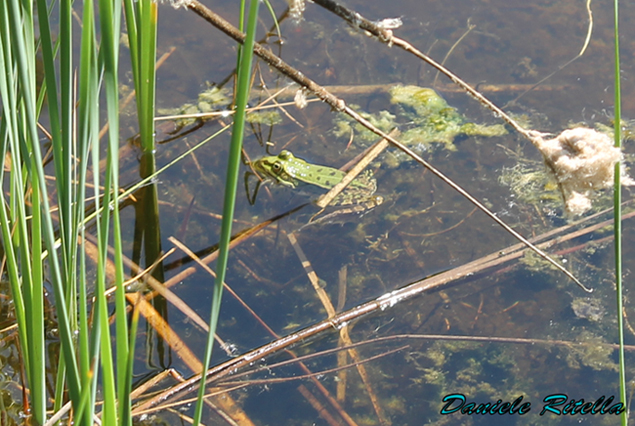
60,113
617,218
141,22
9,132
23,237
109,14
231,185
23,59
88,134
147,21
126,418
36,315
274,17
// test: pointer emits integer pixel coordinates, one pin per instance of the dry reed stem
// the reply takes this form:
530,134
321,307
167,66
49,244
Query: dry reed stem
370,89
239,384
162,327
313,278
318,406
381,303
148,311
330,310
370,155
231,291
197,319
341,356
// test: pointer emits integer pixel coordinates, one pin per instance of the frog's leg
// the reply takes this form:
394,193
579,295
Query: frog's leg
268,145
248,174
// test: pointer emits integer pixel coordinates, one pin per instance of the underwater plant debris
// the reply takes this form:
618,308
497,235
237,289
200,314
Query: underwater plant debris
212,99
434,120
430,120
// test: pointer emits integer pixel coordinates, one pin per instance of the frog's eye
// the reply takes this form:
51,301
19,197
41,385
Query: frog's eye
276,167
285,155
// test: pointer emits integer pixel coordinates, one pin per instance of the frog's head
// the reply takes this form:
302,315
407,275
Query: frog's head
275,167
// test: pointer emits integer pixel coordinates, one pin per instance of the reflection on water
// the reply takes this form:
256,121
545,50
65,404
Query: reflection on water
422,228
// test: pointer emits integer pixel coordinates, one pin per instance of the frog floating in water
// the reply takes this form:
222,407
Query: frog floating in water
289,170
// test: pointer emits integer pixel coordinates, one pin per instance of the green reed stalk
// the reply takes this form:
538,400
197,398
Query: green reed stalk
617,217
110,21
23,141
141,23
88,134
60,105
231,185
26,219
142,15
13,216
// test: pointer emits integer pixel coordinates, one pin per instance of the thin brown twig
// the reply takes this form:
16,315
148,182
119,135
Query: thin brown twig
207,397
443,231
470,27
561,67
207,269
383,302
236,239
316,382
318,373
313,278
339,105
330,310
317,406
494,339
274,99
370,155
236,384
370,89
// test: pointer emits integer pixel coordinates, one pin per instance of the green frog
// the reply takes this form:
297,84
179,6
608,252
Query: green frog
289,170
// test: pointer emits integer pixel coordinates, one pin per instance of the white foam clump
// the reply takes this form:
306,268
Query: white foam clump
582,160
296,10
300,99
179,3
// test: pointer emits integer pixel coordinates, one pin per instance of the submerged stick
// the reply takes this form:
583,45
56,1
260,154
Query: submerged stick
330,310
386,36
339,105
580,160
370,155
381,303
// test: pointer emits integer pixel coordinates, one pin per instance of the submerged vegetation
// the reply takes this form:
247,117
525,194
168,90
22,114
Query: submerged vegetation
210,100
430,120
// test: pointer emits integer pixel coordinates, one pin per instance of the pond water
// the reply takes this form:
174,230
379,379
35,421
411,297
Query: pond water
422,228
